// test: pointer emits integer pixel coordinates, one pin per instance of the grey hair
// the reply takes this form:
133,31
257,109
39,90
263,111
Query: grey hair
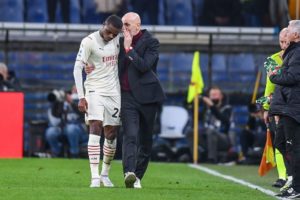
295,24
283,31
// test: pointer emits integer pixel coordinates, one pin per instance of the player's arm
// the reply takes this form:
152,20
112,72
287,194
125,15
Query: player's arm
81,60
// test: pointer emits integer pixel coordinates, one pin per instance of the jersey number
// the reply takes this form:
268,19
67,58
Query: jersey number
116,112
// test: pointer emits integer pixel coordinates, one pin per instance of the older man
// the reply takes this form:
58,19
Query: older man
287,94
141,93
282,181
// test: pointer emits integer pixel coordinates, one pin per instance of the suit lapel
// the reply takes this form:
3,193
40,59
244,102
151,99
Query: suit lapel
140,42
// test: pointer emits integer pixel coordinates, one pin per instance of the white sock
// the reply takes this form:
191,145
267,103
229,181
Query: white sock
109,150
290,178
94,154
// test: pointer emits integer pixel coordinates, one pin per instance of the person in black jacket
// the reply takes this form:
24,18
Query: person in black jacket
217,123
287,98
141,93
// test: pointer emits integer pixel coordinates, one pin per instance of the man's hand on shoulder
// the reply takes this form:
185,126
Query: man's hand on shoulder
89,68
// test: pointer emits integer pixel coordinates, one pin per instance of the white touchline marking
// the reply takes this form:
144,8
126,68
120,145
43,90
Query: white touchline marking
233,179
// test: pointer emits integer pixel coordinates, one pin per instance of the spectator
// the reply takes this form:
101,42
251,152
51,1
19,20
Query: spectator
108,7
217,123
279,13
8,80
222,13
65,121
148,10
255,12
65,10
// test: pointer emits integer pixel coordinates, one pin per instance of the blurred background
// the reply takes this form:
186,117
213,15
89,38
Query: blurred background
39,41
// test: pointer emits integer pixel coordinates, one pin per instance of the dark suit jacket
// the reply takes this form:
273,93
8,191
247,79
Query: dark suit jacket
286,98
143,58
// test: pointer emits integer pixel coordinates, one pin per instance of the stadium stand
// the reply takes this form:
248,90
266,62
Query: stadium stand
36,11
178,12
89,13
75,11
12,10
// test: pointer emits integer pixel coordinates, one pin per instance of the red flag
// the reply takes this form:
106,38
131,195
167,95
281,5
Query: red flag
267,160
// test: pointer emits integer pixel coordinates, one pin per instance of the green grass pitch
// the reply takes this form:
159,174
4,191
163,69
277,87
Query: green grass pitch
63,179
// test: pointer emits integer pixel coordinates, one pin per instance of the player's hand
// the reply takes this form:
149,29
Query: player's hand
266,117
127,39
82,105
89,68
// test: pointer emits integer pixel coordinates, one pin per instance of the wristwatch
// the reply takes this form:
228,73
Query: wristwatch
128,49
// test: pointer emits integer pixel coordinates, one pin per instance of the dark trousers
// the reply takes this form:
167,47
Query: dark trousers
291,148
65,10
216,142
138,122
281,138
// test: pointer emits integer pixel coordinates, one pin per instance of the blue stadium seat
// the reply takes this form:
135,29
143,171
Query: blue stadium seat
74,11
240,115
204,62
1,57
182,62
240,109
37,11
179,12
241,63
12,10
244,77
35,96
197,10
161,12
218,77
219,63
89,12
164,77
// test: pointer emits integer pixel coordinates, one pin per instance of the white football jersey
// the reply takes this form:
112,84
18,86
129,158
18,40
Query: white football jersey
103,55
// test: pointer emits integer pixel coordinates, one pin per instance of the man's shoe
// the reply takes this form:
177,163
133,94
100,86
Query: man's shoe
279,183
105,181
286,186
95,182
137,183
130,178
289,194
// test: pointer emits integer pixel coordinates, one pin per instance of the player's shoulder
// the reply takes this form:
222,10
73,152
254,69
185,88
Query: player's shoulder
89,39
117,38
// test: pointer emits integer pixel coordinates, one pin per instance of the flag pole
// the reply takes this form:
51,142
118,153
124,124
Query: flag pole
196,113
257,81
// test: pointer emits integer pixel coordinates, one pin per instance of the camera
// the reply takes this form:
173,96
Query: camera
56,96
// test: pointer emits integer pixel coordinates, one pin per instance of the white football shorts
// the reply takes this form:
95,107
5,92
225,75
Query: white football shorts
104,108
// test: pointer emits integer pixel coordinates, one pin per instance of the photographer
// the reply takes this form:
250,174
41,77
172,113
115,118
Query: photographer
8,80
65,121
217,123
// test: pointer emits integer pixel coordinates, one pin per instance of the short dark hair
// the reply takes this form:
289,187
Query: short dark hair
114,20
